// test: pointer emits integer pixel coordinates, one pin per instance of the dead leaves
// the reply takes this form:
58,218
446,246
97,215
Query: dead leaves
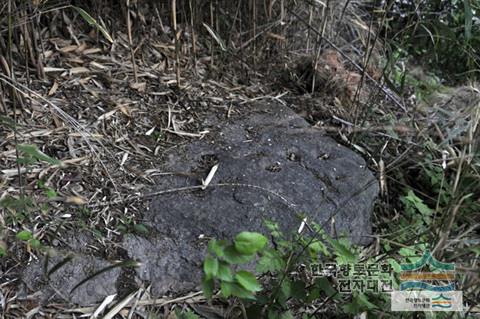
330,76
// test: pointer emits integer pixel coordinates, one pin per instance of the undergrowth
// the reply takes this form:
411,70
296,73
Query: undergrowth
426,154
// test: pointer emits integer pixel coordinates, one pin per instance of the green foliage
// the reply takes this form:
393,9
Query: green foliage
444,34
221,259
90,20
27,237
127,225
248,243
32,154
24,235
402,79
279,288
21,208
414,204
3,250
185,314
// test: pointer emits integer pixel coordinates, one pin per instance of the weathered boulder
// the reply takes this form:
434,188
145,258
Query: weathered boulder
272,165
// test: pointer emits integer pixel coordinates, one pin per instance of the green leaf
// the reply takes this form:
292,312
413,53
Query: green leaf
248,243
417,202
226,288
210,267
343,252
359,304
234,289
395,265
247,280
298,290
34,152
476,250
24,235
232,256
224,272
94,23
273,228
286,315
363,300
286,288
185,314
121,228
273,314
317,247
217,247
216,37
35,243
140,229
271,261
51,193
285,291
326,287
3,248
408,252
207,287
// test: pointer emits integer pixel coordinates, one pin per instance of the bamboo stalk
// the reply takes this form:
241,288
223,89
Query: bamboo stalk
192,26
211,42
132,52
177,35
254,16
14,99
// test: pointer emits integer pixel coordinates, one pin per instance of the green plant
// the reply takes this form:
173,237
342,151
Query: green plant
223,257
443,34
20,208
288,269
188,314
127,225
27,237
31,154
403,79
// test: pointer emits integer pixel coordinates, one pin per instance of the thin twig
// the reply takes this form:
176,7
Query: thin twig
189,188
176,40
130,42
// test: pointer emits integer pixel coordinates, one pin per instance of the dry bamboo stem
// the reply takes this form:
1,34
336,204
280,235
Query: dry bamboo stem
132,52
177,35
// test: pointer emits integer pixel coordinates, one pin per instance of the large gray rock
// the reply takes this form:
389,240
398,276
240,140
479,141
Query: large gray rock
272,165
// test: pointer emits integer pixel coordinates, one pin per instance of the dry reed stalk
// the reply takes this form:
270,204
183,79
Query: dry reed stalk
192,26
132,52
211,42
14,97
310,17
318,42
254,37
177,35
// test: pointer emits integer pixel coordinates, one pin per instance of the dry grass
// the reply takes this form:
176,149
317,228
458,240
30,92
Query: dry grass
109,111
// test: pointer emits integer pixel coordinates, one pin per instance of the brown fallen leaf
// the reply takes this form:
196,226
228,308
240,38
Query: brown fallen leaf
139,86
78,70
68,48
53,89
125,110
91,51
76,200
81,47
